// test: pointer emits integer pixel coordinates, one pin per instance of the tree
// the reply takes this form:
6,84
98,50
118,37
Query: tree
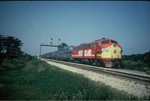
9,47
62,46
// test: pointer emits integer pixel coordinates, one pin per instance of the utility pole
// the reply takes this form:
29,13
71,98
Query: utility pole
40,51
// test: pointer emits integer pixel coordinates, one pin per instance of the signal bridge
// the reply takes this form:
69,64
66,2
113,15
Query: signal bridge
47,46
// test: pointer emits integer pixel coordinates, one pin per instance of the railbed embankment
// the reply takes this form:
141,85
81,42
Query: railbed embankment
128,86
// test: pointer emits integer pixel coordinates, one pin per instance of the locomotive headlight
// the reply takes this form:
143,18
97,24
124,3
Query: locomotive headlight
105,49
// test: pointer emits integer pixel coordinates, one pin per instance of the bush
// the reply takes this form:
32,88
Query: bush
135,65
138,62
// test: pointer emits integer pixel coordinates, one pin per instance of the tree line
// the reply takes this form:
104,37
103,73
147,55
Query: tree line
140,62
138,57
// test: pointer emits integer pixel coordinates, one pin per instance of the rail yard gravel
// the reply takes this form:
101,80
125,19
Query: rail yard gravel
130,87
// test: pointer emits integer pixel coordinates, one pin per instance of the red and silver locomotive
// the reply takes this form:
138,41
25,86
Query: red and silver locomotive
103,52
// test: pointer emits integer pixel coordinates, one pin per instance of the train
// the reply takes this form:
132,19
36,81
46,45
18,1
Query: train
102,52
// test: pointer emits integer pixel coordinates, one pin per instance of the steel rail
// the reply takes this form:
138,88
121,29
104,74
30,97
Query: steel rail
137,77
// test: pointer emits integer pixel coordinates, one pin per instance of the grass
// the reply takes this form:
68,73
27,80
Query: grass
37,80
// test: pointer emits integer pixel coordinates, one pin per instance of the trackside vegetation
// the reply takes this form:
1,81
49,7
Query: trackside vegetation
32,79
140,62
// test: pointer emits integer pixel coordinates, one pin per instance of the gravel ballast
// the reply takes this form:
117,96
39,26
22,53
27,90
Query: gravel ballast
130,87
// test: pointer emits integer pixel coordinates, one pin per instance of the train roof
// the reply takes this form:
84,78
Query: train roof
99,40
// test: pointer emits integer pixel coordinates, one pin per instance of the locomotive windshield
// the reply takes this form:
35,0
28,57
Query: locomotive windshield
114,41
105,41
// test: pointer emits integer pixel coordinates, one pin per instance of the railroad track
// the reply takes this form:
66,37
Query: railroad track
142,78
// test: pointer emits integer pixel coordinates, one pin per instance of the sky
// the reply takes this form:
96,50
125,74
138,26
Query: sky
77,22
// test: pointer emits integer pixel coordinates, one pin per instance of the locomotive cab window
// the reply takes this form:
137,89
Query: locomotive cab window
105,41
114,41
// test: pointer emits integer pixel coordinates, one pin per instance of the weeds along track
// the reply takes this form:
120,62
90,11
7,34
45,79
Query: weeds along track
139,77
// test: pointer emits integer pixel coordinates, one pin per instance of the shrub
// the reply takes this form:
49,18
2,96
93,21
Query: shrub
135,65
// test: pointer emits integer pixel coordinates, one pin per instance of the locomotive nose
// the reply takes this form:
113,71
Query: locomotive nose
115,51
112,52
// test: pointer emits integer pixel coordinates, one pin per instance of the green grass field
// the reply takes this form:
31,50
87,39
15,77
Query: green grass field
37,80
